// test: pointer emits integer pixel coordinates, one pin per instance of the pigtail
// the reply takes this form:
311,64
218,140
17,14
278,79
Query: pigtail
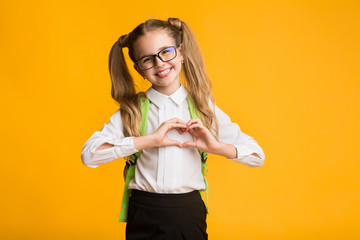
123,88
198,82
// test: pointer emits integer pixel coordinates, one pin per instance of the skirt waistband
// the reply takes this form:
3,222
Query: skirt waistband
164,199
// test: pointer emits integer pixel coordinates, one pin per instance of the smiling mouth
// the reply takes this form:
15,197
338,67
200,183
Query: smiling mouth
163,73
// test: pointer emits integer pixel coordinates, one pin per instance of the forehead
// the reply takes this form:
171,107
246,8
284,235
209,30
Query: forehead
152,42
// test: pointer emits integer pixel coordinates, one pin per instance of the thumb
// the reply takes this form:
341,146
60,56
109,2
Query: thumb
189,144
173,143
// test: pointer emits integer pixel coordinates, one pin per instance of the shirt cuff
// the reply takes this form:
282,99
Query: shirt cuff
124,147
241,151
244,156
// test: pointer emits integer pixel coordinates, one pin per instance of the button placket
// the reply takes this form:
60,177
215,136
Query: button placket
161,156
172,153
166,160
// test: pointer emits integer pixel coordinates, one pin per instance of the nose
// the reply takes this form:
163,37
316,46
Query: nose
158,61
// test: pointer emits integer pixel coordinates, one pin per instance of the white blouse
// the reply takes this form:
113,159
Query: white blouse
167,169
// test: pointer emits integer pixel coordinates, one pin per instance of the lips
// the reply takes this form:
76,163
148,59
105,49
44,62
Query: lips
163,73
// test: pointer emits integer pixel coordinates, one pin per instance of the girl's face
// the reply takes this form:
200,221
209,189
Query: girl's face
164,76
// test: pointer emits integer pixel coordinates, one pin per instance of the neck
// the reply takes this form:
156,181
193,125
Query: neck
167,90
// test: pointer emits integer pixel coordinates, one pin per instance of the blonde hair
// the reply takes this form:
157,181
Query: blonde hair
197,81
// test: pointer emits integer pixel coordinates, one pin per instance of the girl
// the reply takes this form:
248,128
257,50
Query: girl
165,202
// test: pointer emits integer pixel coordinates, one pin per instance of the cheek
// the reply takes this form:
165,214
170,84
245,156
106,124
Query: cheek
149,72
177,62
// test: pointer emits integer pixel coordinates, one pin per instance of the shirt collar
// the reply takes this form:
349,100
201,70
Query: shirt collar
159,99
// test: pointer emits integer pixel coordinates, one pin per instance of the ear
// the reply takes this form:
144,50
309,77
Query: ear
180,52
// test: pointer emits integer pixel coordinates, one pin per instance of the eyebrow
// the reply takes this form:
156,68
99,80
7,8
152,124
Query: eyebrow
162,48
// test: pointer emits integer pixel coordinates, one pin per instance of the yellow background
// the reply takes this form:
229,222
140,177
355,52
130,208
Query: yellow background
286,71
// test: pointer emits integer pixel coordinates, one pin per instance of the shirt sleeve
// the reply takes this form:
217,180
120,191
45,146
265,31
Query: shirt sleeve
245,145
111,132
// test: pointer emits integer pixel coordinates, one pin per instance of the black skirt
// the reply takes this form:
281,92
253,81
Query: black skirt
166,216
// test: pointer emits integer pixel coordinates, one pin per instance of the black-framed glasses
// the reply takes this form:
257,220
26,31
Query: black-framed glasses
165,55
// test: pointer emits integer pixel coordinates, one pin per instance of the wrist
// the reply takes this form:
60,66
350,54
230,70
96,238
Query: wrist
226,150
146,141
152,140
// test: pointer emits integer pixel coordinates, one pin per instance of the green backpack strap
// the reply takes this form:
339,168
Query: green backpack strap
204,167
145,103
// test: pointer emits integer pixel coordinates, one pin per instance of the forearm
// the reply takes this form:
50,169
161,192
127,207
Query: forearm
105,146
139,143
229,151
146,141
226,150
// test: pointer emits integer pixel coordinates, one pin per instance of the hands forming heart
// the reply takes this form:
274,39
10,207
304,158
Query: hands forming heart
204,140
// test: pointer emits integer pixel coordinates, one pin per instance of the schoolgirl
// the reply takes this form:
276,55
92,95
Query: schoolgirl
165,202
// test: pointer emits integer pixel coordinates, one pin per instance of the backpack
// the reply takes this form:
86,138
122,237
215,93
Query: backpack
129,169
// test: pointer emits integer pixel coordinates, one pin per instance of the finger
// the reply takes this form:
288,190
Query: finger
175,125
176,120
196,132
193,121
191,131
189,144
196,125
173,143
173,121
182,130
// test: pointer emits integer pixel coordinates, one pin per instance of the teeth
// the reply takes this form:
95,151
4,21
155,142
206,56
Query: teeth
163,72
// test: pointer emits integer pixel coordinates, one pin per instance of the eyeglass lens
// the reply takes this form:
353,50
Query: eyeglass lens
165,55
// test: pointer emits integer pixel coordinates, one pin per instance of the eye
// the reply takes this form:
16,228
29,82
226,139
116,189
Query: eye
145,59
166,51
